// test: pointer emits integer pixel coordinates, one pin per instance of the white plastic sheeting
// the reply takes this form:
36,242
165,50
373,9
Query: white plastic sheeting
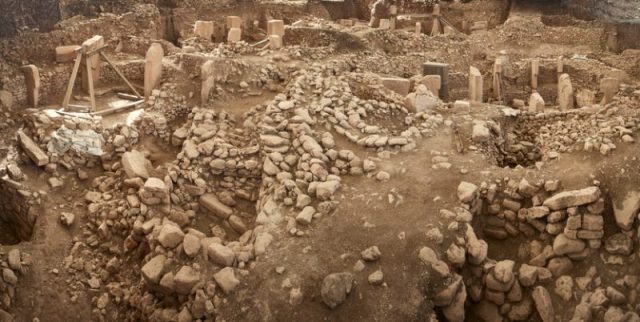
82,141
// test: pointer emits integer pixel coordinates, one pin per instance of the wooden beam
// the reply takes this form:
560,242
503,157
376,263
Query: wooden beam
95,51
120,74
119,108
74,74
92,95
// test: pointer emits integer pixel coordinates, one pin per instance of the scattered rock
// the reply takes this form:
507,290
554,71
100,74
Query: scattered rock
335,288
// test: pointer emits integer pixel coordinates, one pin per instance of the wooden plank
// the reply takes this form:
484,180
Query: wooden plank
119,108
72,80
92,94
120,74
128,96
95,51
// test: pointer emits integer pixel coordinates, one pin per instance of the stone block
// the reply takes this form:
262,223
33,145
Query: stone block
275,42
66,53
385,24
398,85
433,83
475,85
203,29
565,92
234,22
235,35
34,152
432,68
275,27
609,87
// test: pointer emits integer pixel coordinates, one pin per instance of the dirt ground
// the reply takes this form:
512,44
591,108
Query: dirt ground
396,215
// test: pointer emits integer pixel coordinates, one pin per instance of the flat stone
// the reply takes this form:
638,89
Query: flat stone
572,198
135,164
211,202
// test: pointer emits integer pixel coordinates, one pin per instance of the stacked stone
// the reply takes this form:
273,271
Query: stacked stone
587,131
154,192
584,224
20,207
154,124
120,138
168,104
452,295
40,125
503,289
208,143
14,265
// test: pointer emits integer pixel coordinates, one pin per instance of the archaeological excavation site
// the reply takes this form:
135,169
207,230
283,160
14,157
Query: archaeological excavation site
320,160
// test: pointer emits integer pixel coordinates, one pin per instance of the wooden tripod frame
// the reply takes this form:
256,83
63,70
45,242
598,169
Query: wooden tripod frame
83,54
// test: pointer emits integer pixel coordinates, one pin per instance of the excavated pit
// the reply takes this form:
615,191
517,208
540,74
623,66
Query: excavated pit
17,216
511,237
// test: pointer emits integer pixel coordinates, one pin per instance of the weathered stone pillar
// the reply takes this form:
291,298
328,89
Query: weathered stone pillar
565,92
32,78
475,85
152,68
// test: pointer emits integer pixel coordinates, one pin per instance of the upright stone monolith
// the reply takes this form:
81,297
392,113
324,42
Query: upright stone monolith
152,68
565,92
475,85
32,78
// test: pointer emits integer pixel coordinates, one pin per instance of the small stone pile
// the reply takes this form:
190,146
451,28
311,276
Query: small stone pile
15,264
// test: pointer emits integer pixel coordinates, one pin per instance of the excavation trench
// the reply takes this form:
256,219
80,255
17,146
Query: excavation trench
507,225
